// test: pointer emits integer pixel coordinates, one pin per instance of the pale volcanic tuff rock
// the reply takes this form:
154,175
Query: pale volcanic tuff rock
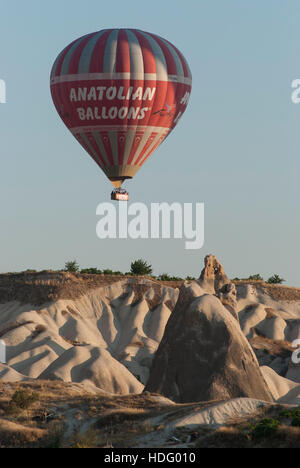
213,276
105,330
204,355
214,281
93,364
97,330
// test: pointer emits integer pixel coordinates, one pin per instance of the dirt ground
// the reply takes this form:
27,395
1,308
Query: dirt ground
51,414
48,286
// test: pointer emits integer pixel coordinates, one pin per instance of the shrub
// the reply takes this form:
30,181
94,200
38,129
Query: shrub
296,421
267,427
164,277
293,414
275,279
87,440
107,271
72,266
141,267
91,271
256,277
22,399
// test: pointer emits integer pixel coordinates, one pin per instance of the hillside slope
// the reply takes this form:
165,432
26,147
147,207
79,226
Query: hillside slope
65,326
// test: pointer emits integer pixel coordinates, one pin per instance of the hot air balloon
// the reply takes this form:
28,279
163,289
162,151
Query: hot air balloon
120,92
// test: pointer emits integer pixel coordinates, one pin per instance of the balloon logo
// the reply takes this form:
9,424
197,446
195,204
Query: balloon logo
120,92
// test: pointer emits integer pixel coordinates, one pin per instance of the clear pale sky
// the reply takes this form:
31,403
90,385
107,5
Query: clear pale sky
236,148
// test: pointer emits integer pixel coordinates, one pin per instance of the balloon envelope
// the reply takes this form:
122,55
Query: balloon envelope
120,92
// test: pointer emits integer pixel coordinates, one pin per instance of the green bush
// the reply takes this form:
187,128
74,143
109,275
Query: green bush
72,266
256,277
295,421
141,267
290,413
107,271
267,427
22,399
275,279
293,414
91,271
164,277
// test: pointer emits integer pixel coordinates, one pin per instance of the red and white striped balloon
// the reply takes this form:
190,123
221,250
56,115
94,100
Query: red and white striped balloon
120,92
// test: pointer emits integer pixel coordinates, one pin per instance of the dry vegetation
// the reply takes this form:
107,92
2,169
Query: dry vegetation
277,292
56,415
272,347
44,287
47,286
274,427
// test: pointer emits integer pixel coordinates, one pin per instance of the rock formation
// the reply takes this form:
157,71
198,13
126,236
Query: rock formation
105,330
104,333
203,354
93,364
214,281
213,276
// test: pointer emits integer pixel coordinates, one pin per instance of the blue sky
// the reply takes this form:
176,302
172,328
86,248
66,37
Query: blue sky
236,148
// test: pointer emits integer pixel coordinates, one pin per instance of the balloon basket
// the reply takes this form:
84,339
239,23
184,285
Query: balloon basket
119,195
